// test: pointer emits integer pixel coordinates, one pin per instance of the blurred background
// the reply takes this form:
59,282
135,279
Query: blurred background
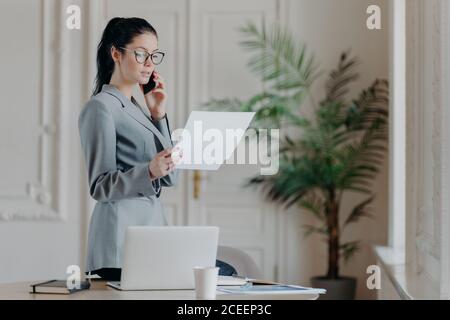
48,71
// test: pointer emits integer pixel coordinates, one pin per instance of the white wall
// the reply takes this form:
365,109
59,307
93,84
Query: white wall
328,28
39,142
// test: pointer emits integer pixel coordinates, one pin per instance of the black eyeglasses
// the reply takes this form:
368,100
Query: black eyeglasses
142,56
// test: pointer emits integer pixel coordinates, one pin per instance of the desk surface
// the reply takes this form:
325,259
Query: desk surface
100,291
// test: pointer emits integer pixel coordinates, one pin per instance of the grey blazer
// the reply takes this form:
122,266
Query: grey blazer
118,140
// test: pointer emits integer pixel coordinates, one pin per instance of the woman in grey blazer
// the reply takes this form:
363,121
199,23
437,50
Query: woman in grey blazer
128,155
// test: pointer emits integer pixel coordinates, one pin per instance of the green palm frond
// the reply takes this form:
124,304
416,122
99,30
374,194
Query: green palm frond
272,111
227,104
349,249
370,107
275,111
314,204
309,229
281,188
277,59
359,211
340,78
364,157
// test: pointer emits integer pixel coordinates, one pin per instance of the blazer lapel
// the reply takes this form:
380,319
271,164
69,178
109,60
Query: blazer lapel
136,113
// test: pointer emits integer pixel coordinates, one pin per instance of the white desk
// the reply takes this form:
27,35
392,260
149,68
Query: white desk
100,291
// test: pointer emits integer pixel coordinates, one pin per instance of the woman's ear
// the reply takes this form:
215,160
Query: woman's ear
115,54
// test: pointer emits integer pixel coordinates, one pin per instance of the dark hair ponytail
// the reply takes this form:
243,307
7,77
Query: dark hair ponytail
118,33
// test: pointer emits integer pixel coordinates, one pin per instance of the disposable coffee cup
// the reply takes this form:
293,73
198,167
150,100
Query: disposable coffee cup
206,282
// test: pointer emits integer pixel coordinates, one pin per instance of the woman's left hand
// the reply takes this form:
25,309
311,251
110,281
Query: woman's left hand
156,98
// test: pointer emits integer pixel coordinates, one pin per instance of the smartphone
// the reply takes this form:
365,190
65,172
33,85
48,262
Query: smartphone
150,85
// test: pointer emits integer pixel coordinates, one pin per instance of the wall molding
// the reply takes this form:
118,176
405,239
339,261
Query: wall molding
45,199
428,149
443,12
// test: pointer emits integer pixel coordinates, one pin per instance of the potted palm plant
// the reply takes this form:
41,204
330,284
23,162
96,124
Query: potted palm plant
338,148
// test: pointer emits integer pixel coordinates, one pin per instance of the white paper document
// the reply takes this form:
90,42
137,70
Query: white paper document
271,289
210,138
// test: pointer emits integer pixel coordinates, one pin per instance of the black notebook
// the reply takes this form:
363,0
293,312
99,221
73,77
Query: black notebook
57,286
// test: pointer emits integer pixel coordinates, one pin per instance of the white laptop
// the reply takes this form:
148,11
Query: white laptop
156,258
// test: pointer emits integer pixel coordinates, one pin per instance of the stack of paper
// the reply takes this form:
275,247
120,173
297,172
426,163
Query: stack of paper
270,289
240,280
230,281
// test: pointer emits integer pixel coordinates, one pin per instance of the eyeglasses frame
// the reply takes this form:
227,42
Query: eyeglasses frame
148,55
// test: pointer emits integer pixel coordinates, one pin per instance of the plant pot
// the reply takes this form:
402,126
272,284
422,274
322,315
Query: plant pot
343,288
